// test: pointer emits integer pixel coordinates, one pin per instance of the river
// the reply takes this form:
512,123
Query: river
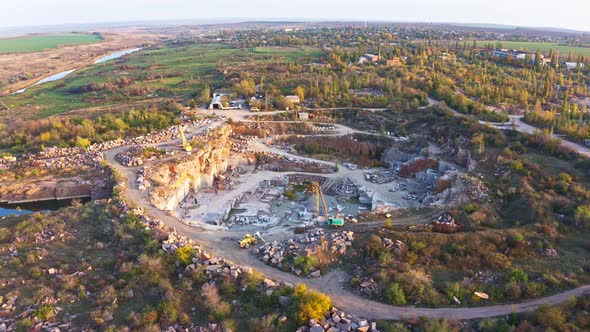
59,76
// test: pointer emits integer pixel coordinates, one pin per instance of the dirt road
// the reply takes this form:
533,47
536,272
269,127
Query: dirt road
517,124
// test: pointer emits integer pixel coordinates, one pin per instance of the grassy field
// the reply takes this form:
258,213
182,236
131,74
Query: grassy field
166,72
40,43
543,47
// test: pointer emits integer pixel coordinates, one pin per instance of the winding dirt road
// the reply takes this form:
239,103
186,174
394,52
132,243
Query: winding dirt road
333,284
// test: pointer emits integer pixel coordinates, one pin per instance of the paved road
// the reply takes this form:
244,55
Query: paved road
332,284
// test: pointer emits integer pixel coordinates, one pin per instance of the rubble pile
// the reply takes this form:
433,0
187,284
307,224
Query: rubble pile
338,321
369,288
445,219
59,158
345,187
381,177
274,253
475,188
241,143
279,163
549,253
302,179
130,157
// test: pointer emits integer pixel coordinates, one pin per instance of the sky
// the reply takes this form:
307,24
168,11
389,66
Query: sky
570,14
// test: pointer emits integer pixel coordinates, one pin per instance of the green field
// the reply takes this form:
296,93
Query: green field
543,47
40,43
164,72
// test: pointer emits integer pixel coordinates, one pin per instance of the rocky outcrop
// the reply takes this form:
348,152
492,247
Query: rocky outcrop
51,189
172,181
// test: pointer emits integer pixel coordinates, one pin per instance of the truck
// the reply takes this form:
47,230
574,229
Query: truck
334,221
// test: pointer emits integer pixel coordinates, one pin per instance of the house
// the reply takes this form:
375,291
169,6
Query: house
395,62
303,116
292,99
371,57
216,103
504,53
572,65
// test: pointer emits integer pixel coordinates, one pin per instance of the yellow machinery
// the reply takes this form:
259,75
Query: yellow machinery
249,240
319,202
187,147
321,208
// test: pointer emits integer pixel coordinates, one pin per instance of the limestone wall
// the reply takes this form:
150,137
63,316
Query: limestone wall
172,181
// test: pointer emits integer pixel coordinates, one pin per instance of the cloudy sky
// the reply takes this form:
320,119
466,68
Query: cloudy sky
570,14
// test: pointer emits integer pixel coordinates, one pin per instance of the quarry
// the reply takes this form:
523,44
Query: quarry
239,178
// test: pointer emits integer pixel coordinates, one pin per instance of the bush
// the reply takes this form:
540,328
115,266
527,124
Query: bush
185,254
582,215
290,195
551,317
306,263
44,312
394,294
167,312
518,275
309,304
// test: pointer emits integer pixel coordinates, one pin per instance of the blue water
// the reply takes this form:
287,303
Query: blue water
116,55
32,207
63,74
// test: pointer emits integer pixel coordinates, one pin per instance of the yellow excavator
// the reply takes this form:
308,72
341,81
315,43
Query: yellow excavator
249,240
185,144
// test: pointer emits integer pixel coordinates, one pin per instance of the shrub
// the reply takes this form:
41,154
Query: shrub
290,194
373,246
309,304
551,317
582,215
306,263
185,254
513,290
167,312
518,275
565,177
44,312
394,294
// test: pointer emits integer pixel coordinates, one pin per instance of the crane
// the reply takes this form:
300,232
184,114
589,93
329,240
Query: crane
319,201
185,144
321,208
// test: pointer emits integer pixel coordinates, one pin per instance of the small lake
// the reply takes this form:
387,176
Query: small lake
63,74
32,207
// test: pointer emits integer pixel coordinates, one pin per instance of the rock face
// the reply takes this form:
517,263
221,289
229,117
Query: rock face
47,189
173,181
416,165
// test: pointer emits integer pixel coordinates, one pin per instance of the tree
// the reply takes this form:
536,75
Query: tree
300,93
205,95
245,88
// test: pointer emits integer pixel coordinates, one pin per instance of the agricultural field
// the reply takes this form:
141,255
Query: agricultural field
543,47
41,43
170,71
